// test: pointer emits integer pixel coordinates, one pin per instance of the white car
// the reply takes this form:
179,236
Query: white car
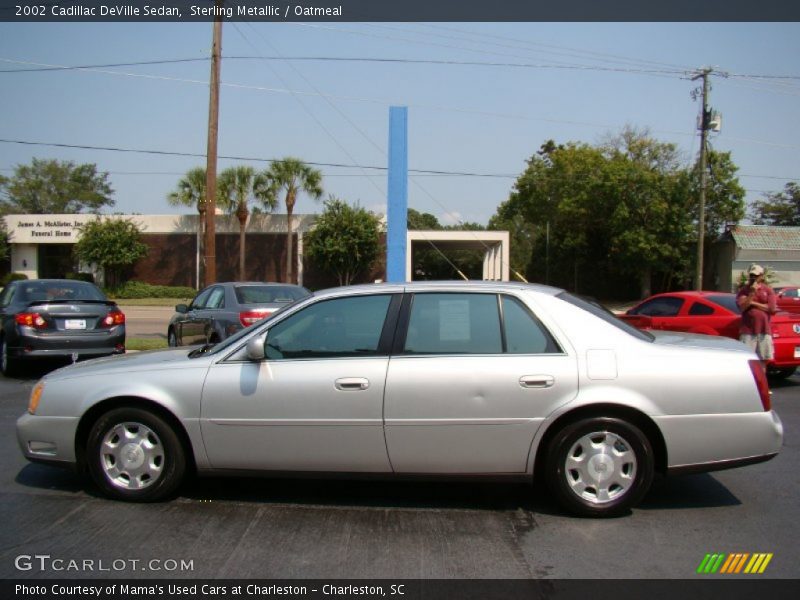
467,379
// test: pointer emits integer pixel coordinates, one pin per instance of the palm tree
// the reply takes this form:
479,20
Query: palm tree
293,176
237,187
191,191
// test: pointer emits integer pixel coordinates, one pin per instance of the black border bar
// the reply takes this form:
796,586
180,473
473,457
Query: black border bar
403,10
730,588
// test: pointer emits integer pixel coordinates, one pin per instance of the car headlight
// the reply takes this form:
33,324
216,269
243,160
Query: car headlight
36,395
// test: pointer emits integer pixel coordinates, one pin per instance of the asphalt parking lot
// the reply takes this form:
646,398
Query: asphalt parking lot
280,528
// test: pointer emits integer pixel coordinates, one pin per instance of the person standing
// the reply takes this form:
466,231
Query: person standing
756,300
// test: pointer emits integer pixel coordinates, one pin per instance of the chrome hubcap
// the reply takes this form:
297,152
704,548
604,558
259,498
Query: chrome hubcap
600,467
132,456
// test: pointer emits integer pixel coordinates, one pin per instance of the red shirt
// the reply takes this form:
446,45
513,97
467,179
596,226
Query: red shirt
755,320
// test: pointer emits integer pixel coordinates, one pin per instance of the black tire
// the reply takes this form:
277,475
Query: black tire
172,339
619,468
779,374
154,465
8,364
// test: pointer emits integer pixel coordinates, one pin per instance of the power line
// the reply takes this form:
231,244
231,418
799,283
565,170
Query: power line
100,66
245,158
361,59
418,172
412,105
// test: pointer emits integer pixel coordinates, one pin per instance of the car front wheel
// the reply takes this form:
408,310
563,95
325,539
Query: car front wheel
135,455
599,467
172,340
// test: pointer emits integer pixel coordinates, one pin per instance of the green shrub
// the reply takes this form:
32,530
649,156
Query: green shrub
134,290
88,277
6,279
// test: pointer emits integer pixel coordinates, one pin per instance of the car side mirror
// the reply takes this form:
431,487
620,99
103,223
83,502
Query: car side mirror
181,308
255,348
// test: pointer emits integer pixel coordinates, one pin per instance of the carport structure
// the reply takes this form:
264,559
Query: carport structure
493,244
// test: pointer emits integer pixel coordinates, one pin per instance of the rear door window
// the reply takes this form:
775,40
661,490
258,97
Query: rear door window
524,332
454,324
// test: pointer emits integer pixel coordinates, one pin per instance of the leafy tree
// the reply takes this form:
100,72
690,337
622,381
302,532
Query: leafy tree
112,244
52,186
627,207
565,187
779,208
190,191
417,221
238,186
649,227
345,240
725,204
292,176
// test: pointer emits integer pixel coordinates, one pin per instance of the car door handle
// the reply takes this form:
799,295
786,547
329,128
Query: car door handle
352,384
537,381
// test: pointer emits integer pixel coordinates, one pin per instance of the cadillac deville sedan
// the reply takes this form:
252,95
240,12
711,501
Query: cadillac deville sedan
422,379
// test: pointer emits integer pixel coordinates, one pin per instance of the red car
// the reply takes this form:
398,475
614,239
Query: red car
716,313
788,298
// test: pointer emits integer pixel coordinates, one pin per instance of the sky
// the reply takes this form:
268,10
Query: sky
476,124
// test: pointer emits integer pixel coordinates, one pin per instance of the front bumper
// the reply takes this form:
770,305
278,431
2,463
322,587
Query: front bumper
48,439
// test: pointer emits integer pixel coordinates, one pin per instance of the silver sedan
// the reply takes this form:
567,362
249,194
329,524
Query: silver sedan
425,379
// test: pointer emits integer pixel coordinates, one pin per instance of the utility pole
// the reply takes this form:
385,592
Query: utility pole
701,220
211,156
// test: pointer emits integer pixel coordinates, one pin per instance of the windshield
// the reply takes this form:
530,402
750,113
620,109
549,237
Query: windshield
267,294
601,312
234,339
43,290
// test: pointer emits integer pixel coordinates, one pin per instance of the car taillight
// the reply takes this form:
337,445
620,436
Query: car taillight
34,320
249,317
115,317
760,375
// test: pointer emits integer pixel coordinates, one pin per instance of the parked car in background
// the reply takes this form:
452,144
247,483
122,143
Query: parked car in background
716,313
431,379
788,298
222,309
57,318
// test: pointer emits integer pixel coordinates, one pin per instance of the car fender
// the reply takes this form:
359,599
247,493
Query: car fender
611,400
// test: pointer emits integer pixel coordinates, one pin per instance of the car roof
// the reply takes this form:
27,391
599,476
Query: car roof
691,294
271,283
450,286
51,281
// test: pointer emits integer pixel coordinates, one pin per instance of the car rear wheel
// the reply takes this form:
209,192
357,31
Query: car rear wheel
135,455
8,365
599,467
777,374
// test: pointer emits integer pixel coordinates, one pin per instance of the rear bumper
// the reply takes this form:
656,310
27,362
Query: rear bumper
697,443
720,465
95,343
787,352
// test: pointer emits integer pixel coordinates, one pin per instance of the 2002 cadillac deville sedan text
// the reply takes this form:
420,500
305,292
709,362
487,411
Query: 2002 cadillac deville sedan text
431,379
